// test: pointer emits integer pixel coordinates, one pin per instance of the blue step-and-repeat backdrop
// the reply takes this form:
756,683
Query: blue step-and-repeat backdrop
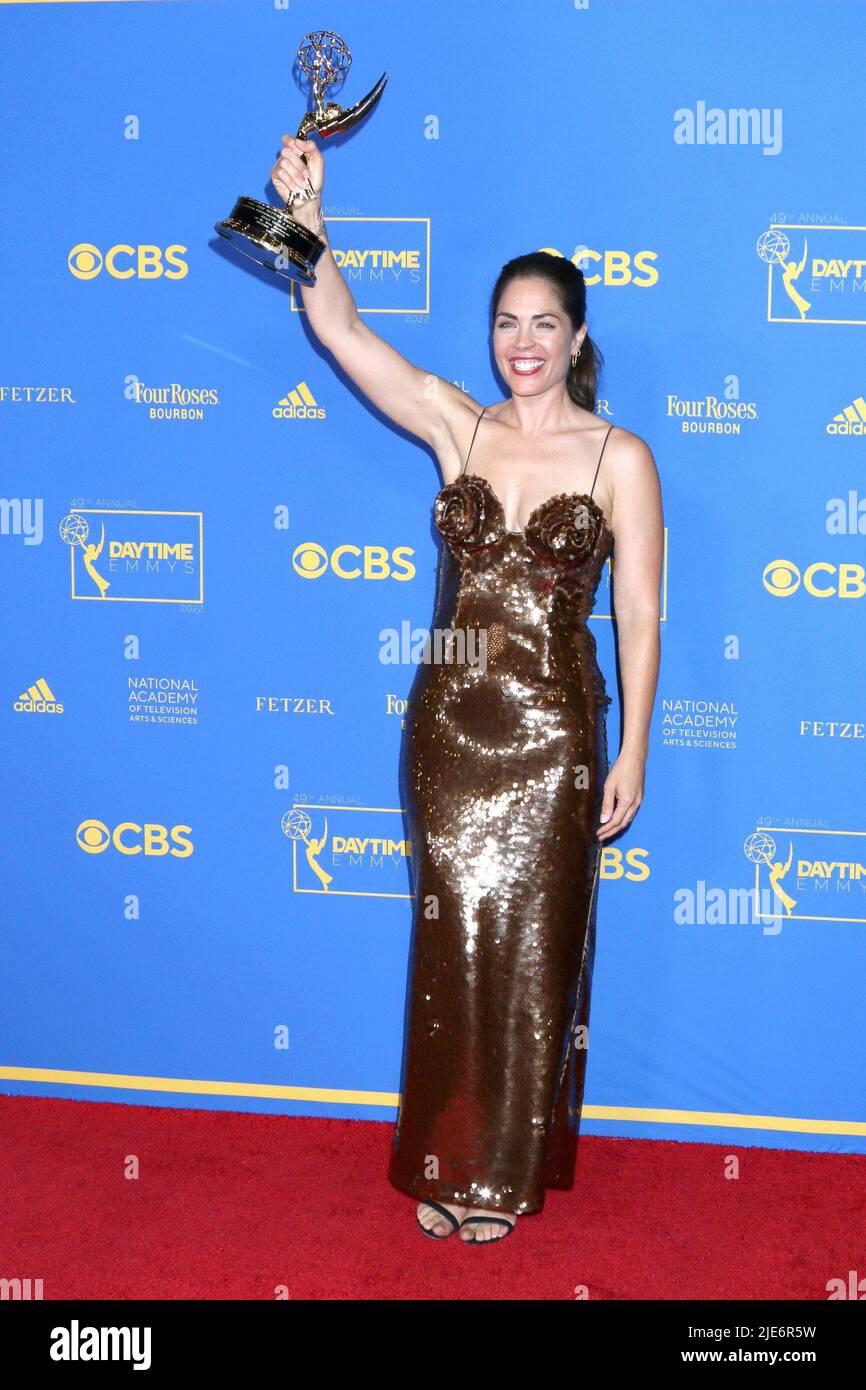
205,530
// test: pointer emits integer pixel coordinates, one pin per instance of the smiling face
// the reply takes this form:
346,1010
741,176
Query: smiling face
532,336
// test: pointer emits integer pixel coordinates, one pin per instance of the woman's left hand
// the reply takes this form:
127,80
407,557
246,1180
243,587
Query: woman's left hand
623,794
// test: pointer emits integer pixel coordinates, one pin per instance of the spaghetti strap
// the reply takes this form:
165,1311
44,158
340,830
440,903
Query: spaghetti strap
474,432
598,465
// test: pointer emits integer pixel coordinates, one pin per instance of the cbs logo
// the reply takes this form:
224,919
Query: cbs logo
632,865
782,578
615,266
85,262
311,561
128,837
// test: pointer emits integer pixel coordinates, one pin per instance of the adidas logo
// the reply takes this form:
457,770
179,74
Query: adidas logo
39,699
299,404
851,420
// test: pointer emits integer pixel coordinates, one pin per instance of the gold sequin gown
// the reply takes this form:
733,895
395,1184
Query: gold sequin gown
503,770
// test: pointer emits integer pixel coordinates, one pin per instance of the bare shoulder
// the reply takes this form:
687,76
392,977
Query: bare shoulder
629,463
458,417
634,486
628,452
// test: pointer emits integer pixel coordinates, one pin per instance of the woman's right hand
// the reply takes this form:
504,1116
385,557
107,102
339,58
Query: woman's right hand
290,174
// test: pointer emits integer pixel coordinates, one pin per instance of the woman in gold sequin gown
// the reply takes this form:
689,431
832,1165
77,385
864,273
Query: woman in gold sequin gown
506,780
508,790
505,762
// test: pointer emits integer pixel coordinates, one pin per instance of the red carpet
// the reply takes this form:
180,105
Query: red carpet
231,1206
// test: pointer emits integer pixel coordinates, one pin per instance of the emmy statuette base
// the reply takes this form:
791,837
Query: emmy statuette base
270,235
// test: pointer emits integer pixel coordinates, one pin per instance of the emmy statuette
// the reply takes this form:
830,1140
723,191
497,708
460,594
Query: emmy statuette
271,235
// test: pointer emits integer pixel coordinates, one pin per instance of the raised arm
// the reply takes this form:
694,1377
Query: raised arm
421,402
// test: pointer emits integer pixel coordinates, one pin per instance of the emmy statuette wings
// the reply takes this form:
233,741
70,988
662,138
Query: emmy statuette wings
271,235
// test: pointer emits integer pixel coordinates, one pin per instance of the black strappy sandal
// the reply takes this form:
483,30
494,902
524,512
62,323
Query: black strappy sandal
443,1211
487,1221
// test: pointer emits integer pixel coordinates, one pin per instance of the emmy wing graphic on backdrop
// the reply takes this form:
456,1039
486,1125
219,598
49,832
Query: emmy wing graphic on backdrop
271,235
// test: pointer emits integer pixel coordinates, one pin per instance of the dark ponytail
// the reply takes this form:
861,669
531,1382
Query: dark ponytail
568,281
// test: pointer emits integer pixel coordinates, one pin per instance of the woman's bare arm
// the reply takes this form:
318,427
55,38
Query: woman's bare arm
419,401
638,525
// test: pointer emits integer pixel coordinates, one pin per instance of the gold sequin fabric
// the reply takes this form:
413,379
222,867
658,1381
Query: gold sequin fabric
502,771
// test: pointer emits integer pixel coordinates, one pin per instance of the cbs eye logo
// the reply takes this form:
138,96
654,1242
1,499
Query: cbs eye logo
311,561
94,837
86,261
614,267
821,579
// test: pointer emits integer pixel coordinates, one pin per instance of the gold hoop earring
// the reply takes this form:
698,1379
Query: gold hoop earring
574,357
